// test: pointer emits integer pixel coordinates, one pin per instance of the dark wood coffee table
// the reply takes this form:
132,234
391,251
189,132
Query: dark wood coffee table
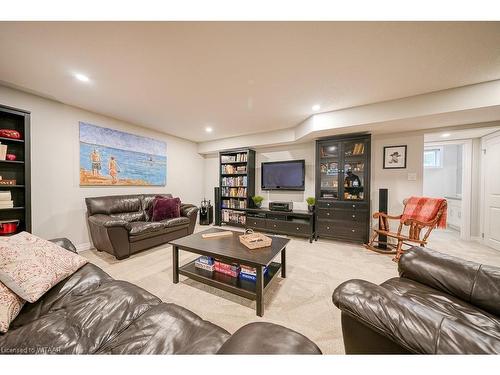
230,250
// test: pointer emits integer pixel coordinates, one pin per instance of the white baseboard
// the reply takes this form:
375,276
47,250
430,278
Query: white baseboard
83,246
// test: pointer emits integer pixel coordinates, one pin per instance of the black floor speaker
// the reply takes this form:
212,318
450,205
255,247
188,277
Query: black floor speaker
217,206
383,195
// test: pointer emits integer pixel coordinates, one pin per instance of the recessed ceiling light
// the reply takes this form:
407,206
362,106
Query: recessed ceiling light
316,107
445,135
208,129
81,77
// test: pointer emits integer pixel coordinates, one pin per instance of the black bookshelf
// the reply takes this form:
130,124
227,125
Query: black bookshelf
343,187
19,169
237,185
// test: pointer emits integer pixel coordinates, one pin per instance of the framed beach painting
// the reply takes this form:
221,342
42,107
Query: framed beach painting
111,157
395,157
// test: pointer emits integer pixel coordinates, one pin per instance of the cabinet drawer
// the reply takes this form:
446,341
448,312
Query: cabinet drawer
276,225
325,204
256,222
352,231
299,228
336,214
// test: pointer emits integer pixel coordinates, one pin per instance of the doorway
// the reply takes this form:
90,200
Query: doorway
447,174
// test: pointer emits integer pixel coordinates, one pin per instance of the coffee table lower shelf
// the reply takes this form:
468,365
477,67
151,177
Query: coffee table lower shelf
235,285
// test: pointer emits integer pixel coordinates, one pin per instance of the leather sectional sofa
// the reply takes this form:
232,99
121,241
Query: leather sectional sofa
91,313
121,226
439,305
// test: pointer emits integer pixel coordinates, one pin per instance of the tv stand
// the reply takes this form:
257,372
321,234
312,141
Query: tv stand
295,223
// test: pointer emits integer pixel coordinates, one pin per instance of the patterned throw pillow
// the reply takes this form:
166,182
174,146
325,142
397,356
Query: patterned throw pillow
10,305
30,266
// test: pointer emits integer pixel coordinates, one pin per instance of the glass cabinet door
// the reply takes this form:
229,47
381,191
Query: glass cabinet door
329,159
353,183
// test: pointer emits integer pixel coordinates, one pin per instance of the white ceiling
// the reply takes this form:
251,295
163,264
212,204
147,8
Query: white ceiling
241,77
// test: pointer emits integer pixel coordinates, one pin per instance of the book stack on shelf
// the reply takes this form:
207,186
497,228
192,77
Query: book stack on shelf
234,217
234,158
232,270
205,263
234,203
233,169
240,181
6,200
234,192
249,273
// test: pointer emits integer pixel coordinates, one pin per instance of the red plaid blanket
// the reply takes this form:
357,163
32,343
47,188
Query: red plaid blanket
424,209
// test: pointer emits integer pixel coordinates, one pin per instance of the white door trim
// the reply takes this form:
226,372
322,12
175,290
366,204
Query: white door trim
466,209
482,200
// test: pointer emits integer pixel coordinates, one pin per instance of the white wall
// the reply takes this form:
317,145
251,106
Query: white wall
396,180
442,182
58,207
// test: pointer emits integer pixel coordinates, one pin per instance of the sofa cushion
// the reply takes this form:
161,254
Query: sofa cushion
30,266
445,304
175,222
113,204
142,227
166,208
168,329
147,203
82,322
130,216
10,305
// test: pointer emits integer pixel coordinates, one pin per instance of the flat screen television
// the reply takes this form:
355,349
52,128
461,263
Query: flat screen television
283,175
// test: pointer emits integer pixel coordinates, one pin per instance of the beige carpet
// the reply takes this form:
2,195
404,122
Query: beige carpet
302,301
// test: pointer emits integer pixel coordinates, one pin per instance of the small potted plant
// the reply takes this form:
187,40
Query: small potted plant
311,201
257,200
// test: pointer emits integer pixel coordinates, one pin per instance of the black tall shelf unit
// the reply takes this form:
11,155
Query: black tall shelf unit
237,187
343,187
19,169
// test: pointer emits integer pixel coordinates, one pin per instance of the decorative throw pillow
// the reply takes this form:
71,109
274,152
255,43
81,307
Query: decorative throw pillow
166,208
10,305
30,266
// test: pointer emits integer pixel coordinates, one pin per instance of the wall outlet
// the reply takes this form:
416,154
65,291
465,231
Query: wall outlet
412,177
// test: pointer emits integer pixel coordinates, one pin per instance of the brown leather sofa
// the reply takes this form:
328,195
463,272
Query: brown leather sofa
121,226
91,313
439,304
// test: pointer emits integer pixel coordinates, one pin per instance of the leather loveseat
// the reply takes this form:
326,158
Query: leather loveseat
439,304
91,313
121,226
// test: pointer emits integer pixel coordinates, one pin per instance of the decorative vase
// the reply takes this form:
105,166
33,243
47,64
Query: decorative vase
258,205
310,208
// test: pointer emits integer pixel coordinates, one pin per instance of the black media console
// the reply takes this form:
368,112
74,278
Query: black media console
295,223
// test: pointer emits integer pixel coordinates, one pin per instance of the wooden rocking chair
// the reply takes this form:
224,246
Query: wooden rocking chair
415,229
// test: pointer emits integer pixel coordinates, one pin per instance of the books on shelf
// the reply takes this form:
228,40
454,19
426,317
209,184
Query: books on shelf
232,270
233,169
237,192
6,199
236,217
205,267
239,157
234,203
250,273
240,181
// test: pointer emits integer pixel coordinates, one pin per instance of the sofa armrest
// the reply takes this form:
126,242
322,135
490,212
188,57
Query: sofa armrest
65,243
268,338
191,212
108,221
412,326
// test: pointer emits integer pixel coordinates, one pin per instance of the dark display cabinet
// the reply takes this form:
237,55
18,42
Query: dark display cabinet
343,188
15,185
237,185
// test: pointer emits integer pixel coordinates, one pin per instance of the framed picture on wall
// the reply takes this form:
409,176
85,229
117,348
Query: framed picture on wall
395,157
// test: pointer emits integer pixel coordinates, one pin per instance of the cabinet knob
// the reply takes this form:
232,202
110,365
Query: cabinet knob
353,230
328,228
353,215
298,228
353,206
274,225
328,204
327,214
